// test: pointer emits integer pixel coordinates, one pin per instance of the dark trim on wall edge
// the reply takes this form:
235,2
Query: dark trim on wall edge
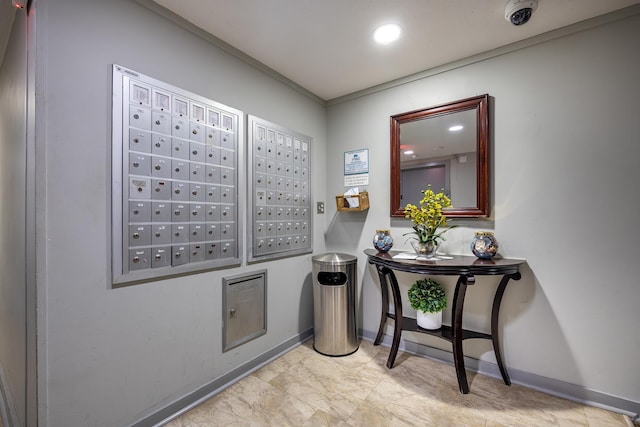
188,402
546,385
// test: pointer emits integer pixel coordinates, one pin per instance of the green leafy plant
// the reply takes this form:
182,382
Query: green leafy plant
428,296
427,218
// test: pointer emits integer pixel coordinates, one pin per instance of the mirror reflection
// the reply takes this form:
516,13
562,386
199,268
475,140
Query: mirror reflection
445,147
440,152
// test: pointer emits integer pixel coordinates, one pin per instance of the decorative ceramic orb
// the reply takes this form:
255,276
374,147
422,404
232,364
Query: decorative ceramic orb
484,245
382,240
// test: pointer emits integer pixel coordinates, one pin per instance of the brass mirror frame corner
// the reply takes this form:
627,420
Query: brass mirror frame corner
480,104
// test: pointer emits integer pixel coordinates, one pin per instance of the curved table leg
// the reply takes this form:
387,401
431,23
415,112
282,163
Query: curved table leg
458,305
397,314
495,336
384,288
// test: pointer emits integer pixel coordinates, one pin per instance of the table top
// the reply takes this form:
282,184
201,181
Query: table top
456,265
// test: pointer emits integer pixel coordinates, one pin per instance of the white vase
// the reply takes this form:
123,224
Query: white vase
430,321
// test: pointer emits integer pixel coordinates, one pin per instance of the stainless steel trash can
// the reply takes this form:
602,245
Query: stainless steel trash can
335,331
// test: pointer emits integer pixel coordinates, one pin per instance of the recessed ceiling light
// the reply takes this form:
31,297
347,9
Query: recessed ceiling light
455,128
387,33
408,152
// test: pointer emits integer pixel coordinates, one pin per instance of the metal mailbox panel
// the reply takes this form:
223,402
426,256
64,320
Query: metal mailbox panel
180,169
140,118
139,140
161,212
161,257
160,167
175,169
227,158
180,148
279,179
197,152
179,191
161,234
179,233
161,122
161,145
139,211
140,164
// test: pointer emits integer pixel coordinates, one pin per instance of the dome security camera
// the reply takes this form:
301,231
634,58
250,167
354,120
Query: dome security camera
519,12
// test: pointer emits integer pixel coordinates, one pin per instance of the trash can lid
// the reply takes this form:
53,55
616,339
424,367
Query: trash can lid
334,259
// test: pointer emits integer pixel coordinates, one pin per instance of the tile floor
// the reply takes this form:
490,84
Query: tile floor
304,388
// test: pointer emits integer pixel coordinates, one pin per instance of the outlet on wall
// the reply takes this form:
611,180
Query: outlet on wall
320,208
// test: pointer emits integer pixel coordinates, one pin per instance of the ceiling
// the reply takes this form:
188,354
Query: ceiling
326,46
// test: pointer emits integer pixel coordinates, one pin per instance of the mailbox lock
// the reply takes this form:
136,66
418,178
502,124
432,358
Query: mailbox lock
157,234
158,167
232,311
136,140
158,144
136,235
136,259
177,127
158,212
195,131
176,212
136,211
136,164
135,116
158,122
195,152
158,257
177,191
195,193
178,255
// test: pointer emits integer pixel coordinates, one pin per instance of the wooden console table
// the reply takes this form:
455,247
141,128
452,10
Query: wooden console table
466,268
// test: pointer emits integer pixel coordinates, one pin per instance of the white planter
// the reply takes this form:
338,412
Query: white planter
429,320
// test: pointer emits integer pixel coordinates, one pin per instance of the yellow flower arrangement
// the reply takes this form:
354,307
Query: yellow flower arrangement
428,217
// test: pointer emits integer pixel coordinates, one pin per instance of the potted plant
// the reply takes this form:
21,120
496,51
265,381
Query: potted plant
427,218
428,298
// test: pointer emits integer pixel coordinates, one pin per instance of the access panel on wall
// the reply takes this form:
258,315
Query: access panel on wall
175,180
279,191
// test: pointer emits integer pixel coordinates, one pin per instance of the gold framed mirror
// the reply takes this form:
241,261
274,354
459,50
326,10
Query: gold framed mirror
446,146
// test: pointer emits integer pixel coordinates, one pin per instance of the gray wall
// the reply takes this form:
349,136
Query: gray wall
565,180
13,166
564,146
116,356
